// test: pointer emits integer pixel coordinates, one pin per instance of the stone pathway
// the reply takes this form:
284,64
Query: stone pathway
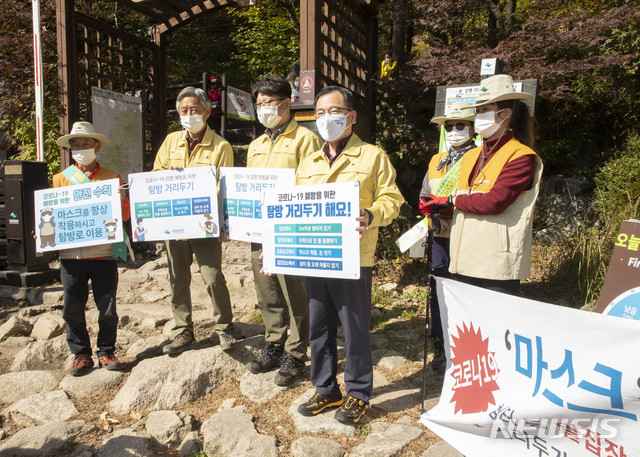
201,402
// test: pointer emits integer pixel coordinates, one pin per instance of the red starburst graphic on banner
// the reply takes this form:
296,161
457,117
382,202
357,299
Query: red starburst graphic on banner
474,370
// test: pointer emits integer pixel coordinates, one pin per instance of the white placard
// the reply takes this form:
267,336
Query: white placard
119,117
526,378
239,104
77,216
174,204
417,233
311,230
241,191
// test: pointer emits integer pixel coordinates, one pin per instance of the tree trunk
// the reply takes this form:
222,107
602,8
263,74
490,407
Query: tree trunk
399,27
492,30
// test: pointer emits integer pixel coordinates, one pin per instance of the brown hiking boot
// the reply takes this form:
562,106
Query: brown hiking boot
180,343
109,361
81,364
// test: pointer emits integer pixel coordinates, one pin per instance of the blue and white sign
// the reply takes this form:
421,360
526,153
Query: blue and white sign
78,216
241,190
174,204
311,230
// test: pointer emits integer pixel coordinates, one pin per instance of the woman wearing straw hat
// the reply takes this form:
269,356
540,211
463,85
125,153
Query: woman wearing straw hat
491,234
441,180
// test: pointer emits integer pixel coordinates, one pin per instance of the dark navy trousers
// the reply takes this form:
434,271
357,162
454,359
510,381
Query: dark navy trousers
75,275
350,301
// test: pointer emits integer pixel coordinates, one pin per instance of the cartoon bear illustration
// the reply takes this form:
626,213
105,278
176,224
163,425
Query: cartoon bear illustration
111,225
47,228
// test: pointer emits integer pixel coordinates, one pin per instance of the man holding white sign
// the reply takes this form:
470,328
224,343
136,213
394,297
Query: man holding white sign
95,263
281,298
196,146
346,158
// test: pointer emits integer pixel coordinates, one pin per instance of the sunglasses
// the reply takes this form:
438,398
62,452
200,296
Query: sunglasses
460,126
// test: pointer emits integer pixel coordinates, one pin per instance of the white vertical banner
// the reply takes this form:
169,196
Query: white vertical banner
37,68
526,378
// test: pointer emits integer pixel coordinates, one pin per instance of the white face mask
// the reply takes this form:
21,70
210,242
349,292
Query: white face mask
84,156
192,123
47,218
331,126
485,124
268,116
457,137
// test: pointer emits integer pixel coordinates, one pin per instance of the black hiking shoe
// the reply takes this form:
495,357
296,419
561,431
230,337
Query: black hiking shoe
350,411
290,369
269,358
320,402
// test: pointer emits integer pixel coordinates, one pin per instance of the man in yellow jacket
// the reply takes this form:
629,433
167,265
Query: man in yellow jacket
346,158
196,146
281,298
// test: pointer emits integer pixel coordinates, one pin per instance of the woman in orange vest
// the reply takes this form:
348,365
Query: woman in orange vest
491,233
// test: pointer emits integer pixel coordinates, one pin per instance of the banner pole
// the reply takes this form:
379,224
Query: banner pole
37,68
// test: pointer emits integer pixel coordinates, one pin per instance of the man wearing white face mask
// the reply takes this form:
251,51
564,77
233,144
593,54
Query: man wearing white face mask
196,146
78,266
346,158
441,180
491,235
281,298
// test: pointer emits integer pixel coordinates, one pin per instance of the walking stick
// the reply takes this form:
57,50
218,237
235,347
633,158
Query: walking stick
435,228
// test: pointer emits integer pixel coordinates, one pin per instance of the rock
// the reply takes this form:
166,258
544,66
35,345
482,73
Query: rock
43,407
388,359
52,297
260,388
386,440
48,326
149,324
441,449
190,445
168,428
232,433
126,443
147,347
388,286
155,296
316,447
323,422
16,386
227,404
46,439
93,382
393,401
15,326
48,354
166,382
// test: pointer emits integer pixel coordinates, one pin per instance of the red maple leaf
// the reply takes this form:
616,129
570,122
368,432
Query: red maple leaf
475,371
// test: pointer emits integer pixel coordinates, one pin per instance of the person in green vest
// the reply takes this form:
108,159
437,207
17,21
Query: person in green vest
442,179
78,266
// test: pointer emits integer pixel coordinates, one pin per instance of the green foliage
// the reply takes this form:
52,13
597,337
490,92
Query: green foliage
617,198
266,41
202,46
618,184
23,132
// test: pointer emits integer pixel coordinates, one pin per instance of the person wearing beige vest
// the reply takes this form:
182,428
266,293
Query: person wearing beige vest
441,179
491,232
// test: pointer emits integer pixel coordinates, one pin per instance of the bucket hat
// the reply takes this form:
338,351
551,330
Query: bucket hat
83,129
457,111
497,88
